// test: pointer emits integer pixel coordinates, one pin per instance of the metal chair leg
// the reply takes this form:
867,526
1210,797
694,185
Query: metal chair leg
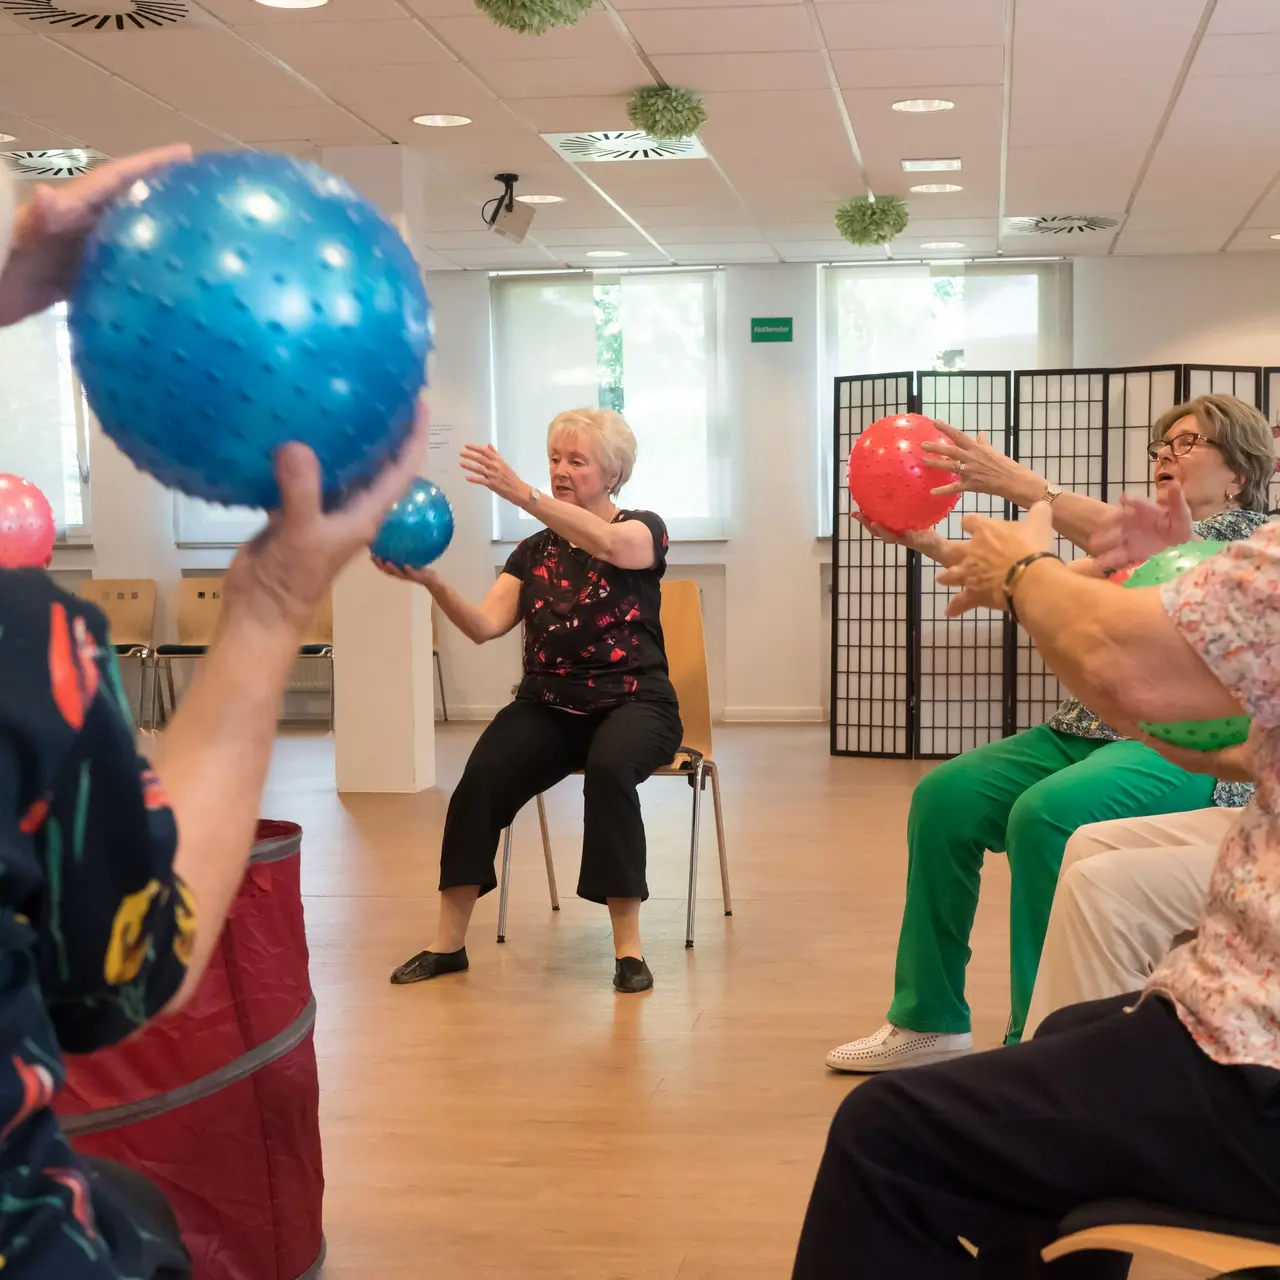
546,853
142,689
444,706
724,857
698,776
504,885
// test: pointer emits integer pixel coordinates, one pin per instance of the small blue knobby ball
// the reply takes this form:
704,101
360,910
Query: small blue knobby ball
417,530
239,301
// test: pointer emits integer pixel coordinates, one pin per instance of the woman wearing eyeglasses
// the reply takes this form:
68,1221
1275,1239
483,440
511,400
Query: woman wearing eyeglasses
1026,794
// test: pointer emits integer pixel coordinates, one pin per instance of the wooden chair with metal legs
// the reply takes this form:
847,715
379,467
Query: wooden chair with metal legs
687,661
1141,1229
130,607
317,644
199,606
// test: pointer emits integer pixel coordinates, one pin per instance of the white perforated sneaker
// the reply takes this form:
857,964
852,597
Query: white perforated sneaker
893,1047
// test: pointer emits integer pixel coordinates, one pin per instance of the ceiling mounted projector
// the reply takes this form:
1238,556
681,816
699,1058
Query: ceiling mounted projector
503,215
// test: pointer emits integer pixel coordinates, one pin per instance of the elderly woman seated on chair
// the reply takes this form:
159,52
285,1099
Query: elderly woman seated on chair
595,695
1169,1096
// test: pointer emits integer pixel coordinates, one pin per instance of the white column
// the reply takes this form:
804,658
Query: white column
383,678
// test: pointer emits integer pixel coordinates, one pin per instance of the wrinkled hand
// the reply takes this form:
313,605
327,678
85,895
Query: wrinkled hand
282,576
485,465
50,231
978,467
1136,528
926,541
424,577
993,548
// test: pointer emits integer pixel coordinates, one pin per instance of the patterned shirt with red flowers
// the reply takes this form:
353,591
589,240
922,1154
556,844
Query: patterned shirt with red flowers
1225,983
95,928
592,631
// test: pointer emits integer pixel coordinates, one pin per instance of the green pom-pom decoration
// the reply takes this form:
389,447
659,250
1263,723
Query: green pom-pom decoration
865,221
664,112
533,17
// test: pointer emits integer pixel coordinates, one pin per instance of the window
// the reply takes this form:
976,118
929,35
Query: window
643,344
43,418
979,316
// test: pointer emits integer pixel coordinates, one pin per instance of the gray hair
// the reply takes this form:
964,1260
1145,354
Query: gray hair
1243,437
608,437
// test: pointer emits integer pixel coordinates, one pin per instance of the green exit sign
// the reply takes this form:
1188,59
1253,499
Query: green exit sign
771,329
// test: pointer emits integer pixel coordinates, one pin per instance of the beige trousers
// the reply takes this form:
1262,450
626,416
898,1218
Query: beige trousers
1126,889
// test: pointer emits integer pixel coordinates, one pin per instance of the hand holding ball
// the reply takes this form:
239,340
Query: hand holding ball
1194,735
417,530
888,479
239,301
27,530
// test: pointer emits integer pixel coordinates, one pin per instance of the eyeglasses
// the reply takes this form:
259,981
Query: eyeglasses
1179,446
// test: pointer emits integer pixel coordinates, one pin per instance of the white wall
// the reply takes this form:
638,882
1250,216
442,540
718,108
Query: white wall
762,587
1223,309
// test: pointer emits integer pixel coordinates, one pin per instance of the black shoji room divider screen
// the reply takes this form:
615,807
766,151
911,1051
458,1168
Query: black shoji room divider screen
906,681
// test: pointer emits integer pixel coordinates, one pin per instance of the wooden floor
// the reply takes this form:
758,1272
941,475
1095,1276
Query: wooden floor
522,1120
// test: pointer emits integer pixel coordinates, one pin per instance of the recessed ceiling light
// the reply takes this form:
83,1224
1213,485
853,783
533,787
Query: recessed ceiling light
923,104
608,253
8,137
540,199
442,122
944,244
1276,236
936,188
293,4
929,166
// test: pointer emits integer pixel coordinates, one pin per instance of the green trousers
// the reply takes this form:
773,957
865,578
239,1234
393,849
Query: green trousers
1023,796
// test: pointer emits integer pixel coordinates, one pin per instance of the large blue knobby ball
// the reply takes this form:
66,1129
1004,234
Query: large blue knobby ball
228,305
417,530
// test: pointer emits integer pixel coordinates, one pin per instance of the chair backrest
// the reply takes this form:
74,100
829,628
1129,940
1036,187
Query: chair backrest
687,660
199,604
130,606
321,629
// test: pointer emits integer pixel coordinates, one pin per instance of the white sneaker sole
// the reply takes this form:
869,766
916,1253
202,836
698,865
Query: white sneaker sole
919,1058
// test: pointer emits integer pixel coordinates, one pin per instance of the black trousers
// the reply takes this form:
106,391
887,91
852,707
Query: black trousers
528,748
1000,1146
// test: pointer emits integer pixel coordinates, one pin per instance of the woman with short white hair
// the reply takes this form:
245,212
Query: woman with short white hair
595,695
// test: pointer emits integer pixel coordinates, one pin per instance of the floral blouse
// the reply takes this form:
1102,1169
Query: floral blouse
1074,718
95,929
1225,983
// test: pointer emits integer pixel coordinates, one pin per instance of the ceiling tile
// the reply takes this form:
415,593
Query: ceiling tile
754,29
715,72
613,73
716,252
1256,240
480,40
305,46
924,70
319,122
1237,55
913,24
1244,17
248,11
574,115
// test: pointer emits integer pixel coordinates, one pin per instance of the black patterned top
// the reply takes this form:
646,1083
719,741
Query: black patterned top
95,928
592,631
1074,718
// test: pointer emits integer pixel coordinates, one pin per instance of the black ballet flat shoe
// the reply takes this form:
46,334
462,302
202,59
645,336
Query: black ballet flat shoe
431,964
631,976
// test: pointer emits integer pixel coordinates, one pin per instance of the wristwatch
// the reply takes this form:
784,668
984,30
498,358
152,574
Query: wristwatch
1051,491
534,496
